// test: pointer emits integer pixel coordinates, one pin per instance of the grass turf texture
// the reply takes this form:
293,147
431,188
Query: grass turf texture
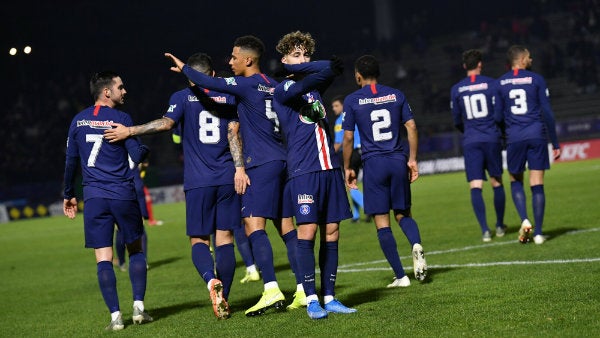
48,284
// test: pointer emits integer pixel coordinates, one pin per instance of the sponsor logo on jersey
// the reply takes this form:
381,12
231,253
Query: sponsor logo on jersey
95,124
219,99
172,107
378,100
265,89
473,88
305,209
305,198
517,81
230,81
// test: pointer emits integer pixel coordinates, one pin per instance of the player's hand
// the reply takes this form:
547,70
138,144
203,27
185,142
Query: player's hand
178,63
118,132
556,153
70,207
337,65
351,179
413,171
241,180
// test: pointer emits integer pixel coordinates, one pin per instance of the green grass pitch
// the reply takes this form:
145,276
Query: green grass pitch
48,285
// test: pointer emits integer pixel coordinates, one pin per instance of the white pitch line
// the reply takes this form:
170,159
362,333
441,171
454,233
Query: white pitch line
346,267
478,265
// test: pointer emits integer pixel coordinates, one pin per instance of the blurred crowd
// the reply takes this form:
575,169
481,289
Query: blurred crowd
564,37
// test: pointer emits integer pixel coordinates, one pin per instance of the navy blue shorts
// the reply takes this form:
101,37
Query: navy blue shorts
480,157
208,209
533,152
287,205
319,197
100,216
385,185
263,197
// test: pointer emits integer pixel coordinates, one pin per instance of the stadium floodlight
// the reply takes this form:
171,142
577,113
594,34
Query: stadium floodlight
27,50
12,51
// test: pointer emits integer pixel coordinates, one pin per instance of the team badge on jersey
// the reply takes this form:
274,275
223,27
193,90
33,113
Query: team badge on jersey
305,209
230,81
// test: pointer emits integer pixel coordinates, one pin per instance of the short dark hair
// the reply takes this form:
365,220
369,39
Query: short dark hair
201,62
250,42
338,98
101,80
471,58
367,66
514,53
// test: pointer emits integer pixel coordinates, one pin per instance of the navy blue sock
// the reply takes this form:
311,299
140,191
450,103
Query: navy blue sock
203,261
499,205
305,256
518,196
138,275
243,245
479,208
390,250
291,243
539,205
225,263
120,246
108,285
263,254
329,268
411,230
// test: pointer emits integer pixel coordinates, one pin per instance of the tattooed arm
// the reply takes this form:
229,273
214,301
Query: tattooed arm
241,180
120,132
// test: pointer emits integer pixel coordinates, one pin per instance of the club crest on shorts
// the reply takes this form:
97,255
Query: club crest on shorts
305,209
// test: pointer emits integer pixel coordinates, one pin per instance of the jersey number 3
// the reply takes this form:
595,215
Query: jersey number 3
520,97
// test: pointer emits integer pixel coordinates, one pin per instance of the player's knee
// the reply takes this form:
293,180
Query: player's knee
400,213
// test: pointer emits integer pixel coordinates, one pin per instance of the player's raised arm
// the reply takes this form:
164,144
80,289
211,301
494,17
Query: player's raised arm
178,63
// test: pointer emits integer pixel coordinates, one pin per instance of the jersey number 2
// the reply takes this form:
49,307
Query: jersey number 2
382,120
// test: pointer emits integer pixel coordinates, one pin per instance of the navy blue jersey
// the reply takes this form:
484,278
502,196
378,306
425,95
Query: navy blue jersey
379,112
309,143
523,102
105,166
206,155
472,105
259,125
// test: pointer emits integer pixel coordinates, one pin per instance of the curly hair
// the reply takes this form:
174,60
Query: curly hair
290,41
